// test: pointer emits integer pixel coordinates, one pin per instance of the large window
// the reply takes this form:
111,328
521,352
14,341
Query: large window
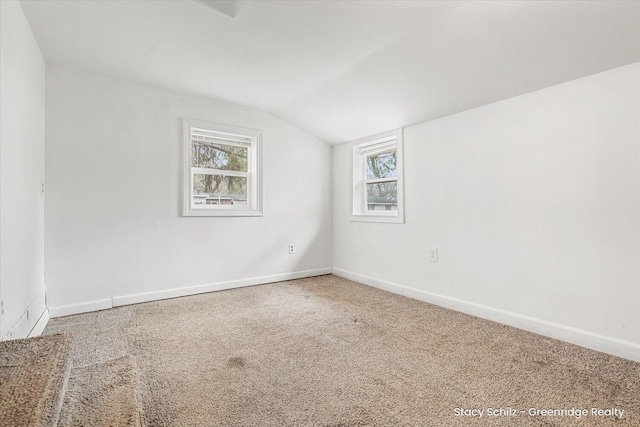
377,179
221,170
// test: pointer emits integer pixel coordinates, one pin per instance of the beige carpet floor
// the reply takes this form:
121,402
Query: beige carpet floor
103,394
33,377
326,351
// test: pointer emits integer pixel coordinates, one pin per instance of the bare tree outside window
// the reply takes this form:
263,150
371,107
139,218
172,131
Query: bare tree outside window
219,188
381,185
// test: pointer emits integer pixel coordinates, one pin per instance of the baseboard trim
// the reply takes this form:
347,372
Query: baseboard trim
614,346
38,328
83,307
212,287
118,301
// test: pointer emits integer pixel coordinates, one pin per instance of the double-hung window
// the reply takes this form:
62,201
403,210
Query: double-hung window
377,178
221,170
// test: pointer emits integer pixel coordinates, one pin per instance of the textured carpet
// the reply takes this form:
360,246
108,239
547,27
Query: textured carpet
326,351
103,394
33,376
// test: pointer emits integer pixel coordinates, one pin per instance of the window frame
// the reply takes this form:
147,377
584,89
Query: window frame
362,149
252,139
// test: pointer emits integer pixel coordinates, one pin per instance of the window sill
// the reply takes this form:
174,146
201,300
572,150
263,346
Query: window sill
395,219
222,212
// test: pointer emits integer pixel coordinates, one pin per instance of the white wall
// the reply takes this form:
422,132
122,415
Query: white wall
22,118
534,204
113,224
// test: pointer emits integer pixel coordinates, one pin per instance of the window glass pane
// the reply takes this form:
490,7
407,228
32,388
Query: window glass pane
382,196
381,165
219,190
219,156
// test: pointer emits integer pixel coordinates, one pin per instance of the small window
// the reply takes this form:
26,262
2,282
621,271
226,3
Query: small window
377,179
221,170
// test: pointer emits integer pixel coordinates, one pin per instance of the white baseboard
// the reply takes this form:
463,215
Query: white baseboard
118,301
626,349
38,328
212,287
83,307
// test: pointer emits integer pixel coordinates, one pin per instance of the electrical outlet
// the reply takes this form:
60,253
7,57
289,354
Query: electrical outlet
292,249
433,254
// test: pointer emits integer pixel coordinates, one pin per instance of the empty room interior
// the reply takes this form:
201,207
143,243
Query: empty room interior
319,213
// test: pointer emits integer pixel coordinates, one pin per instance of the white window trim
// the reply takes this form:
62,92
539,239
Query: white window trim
254,173
376,144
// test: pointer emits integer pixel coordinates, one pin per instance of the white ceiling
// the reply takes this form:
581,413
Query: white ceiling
341,70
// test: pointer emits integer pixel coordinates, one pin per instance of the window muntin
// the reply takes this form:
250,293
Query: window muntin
222,174
377,178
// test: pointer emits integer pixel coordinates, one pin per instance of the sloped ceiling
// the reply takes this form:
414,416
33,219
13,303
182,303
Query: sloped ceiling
341,70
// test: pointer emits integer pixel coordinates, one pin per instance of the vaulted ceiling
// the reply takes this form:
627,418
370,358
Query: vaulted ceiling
341,70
